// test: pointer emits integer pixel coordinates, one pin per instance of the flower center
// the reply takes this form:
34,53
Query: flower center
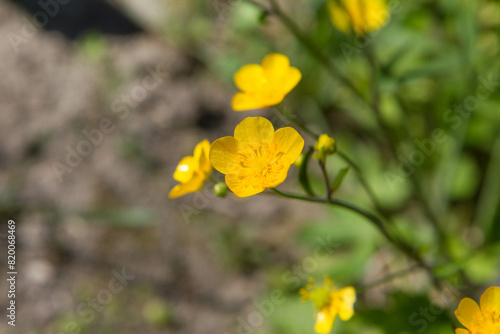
263,162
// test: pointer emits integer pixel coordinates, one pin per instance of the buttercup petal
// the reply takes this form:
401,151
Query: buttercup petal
224,154
461,331
201,149
185,169
376,14
324,321
194,185
490,301
469,314
201,155
348,298
250,78
291,78
243,187
275,65
359,15
254,129
339,17
289,142
278,176
247,101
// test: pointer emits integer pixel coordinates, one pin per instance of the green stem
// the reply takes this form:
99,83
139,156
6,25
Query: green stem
281,109
388,278
490,194
328,185
391,139
364,183
399,244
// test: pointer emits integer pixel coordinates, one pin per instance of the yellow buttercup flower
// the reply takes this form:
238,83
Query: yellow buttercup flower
360,16
329,302
192,171
480,320
265,85
256,157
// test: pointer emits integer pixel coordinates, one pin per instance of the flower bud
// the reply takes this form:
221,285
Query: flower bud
324,147
300,160
220,189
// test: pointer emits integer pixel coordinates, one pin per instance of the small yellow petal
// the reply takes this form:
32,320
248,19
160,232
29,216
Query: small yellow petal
224,154
461,331
339,17
254,129
362,16
490,301
243,187
324,321
291,78
247,101
289,142
185,169
201,155
250,78
347,298
275,65
194,185
469,314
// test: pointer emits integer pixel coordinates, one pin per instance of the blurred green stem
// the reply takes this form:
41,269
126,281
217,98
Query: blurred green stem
392,138
388,278
490,194
292,118
328,185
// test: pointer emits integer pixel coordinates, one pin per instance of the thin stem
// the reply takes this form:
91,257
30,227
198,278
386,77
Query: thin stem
388,278
328,185
363,181
281,109
400,244
391,139
490,197
419,191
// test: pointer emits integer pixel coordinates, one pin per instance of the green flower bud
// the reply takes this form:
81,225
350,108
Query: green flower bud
300,160
324,147
220,189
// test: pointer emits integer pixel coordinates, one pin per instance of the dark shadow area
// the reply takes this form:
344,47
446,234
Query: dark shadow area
76,17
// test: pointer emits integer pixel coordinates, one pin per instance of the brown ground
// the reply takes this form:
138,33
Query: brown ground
49,93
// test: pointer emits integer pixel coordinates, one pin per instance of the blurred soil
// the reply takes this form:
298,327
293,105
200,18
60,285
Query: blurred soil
53,89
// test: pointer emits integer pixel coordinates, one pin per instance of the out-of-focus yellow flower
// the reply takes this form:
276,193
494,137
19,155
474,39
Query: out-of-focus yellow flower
329,302
256,157
265,85
480,320
360,16
192,171
324,146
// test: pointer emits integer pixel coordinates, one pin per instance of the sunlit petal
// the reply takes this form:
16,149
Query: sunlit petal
224,154
254,130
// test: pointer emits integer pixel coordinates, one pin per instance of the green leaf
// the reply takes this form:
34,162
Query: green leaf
340,178
303,176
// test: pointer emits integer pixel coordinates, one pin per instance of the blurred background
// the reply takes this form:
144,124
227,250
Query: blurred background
100,100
